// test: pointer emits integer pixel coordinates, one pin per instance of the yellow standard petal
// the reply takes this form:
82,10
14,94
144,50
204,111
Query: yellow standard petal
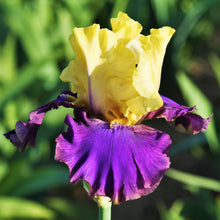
125,28
149,52
117,73
89,44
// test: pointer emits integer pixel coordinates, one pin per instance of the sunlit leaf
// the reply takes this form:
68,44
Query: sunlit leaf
194,180
194,96
202,206
119,6
12,207
161,9
42,179
7,61
215,62
71,209
17,85
3,169
173,213
6,149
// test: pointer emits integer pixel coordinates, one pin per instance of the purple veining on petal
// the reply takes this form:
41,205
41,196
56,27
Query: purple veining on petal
182,116
121,162
91,104
25,133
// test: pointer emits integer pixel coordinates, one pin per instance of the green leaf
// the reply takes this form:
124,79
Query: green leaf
71,209
202,206
215,62
7,61
41,180
174,213
3,169
190,20
194,96
194,180
119,6
161,10
12,207
6,148
18,84
17,171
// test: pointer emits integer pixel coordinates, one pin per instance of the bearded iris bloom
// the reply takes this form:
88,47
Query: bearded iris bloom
115,79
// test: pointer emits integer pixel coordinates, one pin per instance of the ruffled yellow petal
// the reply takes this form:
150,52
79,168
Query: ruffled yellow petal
149,52
125,28
85,43
112,84
159,38
117,73
89,44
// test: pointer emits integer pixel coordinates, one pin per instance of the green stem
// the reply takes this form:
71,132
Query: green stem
105,213
104,208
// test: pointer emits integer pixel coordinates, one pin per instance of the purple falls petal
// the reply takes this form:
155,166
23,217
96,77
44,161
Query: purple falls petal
182,116
120,162
25,133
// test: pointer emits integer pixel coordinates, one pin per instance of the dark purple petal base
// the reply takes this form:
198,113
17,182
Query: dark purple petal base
182,116
120,162
25,133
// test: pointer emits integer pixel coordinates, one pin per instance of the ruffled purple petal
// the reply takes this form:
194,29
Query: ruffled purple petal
25,133
182,116
120,162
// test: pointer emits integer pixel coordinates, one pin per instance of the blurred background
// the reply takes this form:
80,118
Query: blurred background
34,48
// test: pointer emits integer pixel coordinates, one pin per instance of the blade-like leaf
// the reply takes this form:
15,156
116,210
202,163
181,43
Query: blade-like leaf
71,209
194,180
161,10
194,96
12,207
41,180
215,62
190,20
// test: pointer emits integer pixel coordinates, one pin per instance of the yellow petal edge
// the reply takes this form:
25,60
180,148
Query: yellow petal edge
117,73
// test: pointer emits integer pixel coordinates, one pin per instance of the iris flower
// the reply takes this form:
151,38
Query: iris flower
115,80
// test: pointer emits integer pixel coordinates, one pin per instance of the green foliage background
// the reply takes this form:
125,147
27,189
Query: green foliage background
34,48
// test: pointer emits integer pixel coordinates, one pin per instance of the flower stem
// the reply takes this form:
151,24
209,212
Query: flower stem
105,205
105,213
